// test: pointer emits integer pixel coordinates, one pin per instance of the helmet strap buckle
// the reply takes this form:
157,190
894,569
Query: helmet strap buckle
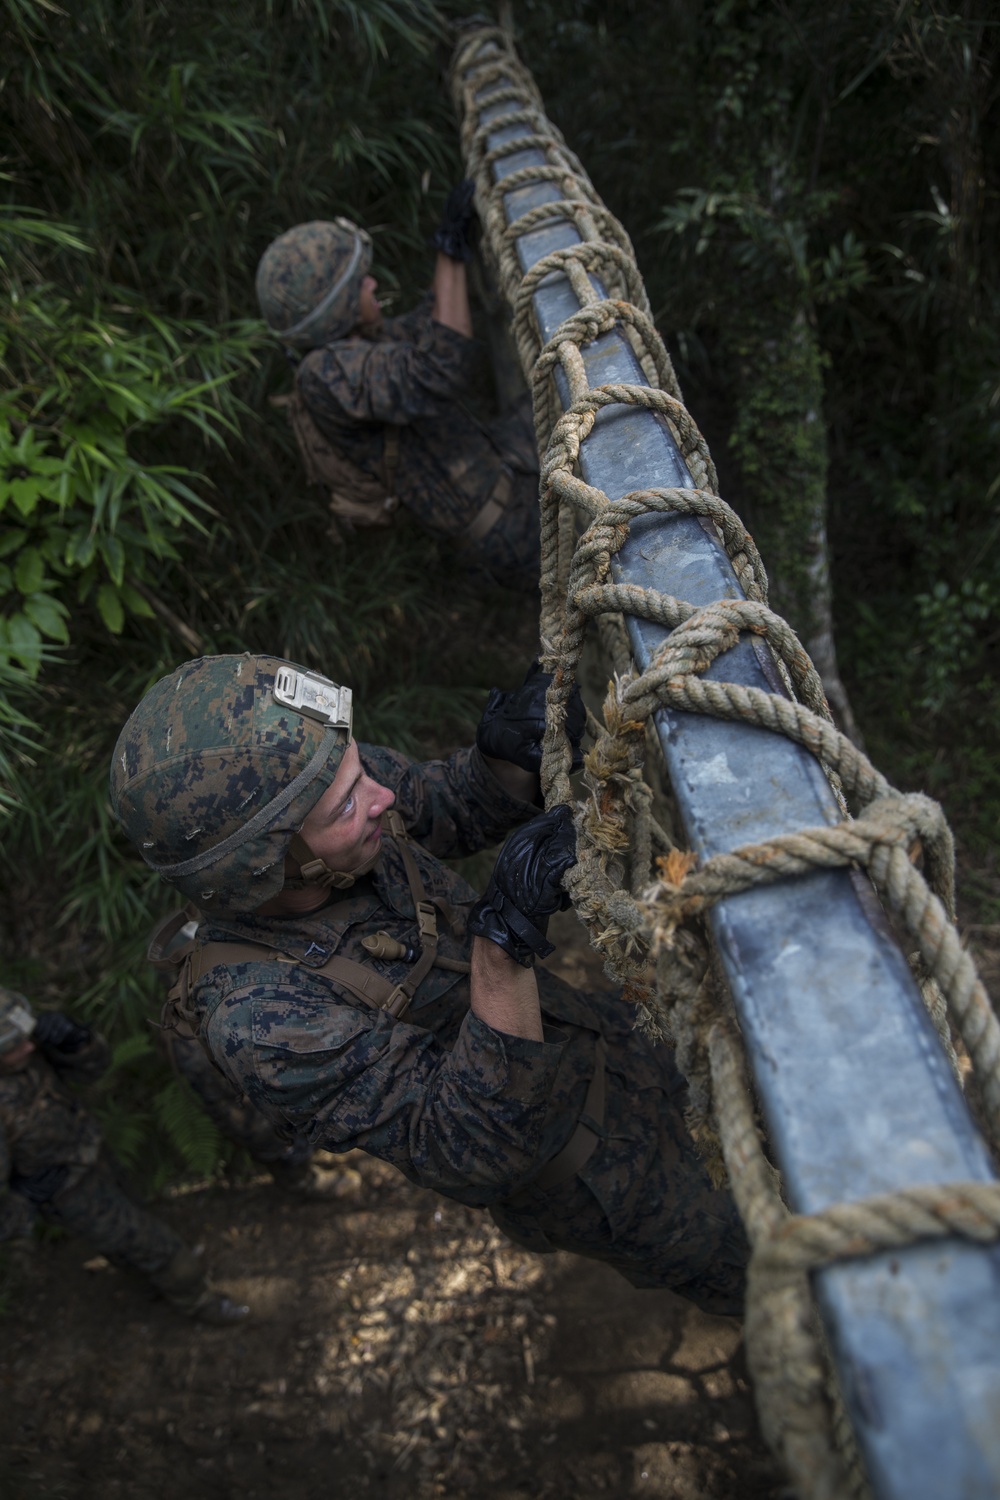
315,871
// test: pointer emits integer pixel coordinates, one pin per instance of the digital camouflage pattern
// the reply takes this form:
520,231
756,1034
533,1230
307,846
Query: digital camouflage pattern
232,1113
52,1165
42,1124
207,749
309,282
95,1208
455,1105
412,374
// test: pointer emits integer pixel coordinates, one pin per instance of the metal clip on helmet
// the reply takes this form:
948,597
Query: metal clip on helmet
217,768
309,282
17,1020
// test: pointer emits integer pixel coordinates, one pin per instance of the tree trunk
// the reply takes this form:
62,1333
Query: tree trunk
779,441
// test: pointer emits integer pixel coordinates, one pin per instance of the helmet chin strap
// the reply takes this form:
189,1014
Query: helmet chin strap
313,871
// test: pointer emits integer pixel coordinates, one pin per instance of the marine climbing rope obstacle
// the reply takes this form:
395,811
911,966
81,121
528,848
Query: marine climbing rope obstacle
666,920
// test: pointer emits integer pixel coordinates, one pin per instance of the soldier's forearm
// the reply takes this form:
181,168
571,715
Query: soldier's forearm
503,993
524,785
451,295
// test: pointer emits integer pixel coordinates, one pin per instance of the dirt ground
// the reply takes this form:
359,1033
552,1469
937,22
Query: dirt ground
399,1345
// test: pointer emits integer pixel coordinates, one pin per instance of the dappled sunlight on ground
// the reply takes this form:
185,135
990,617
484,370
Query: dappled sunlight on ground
398,1345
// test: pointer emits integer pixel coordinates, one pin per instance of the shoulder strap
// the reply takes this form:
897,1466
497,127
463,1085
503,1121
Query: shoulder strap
174,946
426,915
365,984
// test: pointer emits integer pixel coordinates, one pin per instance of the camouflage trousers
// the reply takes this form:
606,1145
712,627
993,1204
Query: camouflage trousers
90,1203
643,1201
510,552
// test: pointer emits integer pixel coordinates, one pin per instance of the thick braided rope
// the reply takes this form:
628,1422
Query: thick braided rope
784,1343
631,915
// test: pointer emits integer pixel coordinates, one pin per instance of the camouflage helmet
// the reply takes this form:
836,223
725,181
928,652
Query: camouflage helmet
309,282
217,768
17,1019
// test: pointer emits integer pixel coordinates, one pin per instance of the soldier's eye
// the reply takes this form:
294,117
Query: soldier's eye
348,807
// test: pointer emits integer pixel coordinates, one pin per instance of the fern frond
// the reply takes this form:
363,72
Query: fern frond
188,1128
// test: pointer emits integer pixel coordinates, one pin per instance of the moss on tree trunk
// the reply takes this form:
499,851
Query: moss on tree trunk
779,442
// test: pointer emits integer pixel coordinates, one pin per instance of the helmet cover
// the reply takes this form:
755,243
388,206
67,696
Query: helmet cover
213,775
17,1019
309,282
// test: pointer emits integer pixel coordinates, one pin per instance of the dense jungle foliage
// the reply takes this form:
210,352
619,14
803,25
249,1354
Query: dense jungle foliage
812,191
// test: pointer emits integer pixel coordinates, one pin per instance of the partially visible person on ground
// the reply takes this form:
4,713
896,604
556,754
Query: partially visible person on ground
54,1165
380,406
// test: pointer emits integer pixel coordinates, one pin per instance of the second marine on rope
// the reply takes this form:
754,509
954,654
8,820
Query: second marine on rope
380,406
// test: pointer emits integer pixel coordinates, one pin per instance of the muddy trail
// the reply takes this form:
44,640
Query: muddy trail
399,1345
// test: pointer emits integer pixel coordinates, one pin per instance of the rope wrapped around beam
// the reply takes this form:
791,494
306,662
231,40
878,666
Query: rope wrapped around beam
644,907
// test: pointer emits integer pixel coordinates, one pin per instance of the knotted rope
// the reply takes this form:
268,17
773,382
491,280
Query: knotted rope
642,899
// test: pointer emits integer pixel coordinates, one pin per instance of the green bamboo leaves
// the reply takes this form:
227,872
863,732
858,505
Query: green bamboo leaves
85,516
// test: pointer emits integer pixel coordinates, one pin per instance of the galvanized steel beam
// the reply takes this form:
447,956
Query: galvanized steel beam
857,1093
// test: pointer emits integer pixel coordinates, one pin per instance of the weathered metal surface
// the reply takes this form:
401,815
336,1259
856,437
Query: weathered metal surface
855,1087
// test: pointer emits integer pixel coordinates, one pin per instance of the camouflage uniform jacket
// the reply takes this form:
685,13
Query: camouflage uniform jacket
42,1124
454,1104
412,375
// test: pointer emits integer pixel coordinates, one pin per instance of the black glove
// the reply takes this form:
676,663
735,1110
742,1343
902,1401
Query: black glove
55,1032
452,234
513,723
526,887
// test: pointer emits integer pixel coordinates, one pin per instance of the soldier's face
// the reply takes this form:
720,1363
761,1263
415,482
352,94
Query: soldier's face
344,828
16,1057
370,315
